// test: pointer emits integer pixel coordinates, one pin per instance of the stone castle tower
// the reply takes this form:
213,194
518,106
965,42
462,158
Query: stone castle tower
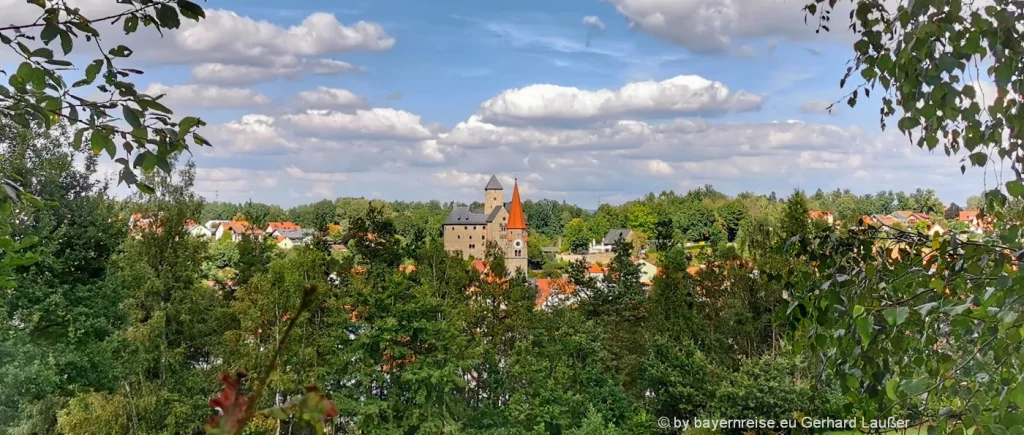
468,231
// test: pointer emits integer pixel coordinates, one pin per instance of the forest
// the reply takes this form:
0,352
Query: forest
112,331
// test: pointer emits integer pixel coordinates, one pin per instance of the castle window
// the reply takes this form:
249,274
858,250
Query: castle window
465,227
474,227
458,236
472,246
519,253
470,237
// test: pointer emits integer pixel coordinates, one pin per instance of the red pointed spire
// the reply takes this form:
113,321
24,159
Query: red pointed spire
516,220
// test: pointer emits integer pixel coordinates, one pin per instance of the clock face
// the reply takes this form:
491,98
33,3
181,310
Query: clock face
518,243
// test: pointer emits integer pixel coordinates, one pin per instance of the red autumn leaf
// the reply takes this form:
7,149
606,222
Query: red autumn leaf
231,403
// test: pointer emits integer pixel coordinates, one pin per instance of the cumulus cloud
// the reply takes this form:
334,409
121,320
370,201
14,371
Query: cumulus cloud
712,26
330,98
206,96
252,134
376,123
594,23
659,167
819,107
227,45
682,95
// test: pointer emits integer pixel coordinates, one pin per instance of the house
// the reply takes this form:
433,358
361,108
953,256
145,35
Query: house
608,243
908,217
213,224
647,272
975,221
195,230
934,229
595,271
884,220
297,237
273,227
553,292
819,215
284,242
236,229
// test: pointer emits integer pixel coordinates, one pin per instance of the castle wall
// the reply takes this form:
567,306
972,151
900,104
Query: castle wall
470,239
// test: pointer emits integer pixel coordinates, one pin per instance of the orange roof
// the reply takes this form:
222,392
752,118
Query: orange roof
594,268
480,265
407,268
692,270
547,286
516,219
274,226
280,238
818,214
966,215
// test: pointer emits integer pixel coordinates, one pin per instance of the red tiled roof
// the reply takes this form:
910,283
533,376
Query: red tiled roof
480,265
966,215
594,268
547,286
274,226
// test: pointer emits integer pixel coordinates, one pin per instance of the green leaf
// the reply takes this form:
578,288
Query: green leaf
66,43
191,10
907,123
77,141
968,92
167,16
131,24
890,388
864,328
857,310
49,33
43,52
978,159
131,116
145,188
101,140
915,387
1015,188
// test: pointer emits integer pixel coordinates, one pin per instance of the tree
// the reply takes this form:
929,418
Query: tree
38,94
975,202
576,237
640,218
796,217
321,215
952,212
732,214
665,235
696,221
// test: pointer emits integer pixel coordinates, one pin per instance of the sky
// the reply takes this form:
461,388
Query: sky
586,101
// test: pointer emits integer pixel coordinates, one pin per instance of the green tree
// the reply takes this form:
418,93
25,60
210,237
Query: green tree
796,217
732,214
576,237
640,218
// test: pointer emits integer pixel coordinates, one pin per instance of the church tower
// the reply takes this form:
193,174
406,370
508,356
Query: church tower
515,244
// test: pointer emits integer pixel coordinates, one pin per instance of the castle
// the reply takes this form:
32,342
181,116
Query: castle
504,223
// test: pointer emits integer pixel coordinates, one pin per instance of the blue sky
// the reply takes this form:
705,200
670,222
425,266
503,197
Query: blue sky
585,101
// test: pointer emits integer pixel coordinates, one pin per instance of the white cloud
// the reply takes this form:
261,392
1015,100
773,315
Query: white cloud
475,133
252,134
219,73
228,181
227,37
594,24
714,25
323,177
330,98
681,95
206,96
819,106
376,123
659,167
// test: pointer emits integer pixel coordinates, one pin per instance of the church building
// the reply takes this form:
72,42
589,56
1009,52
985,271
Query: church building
469,231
